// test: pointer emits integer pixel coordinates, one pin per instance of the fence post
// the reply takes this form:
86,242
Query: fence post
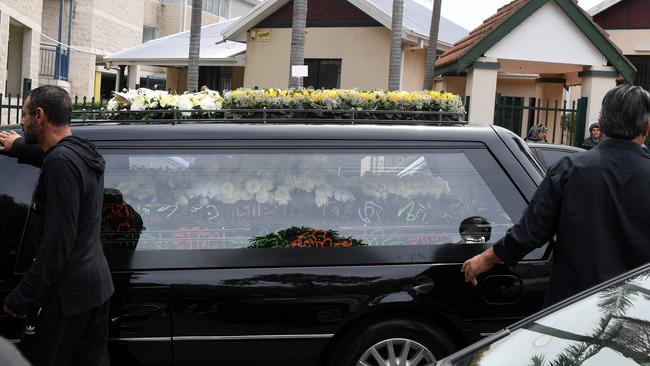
555,120
581,120
531,114
18,109
497,110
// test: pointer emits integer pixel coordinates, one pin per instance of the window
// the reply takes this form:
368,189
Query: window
552,156
193,200
149,33
323,74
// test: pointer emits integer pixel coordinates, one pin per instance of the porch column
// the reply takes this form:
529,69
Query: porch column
119,79
596,82
134,71
481,87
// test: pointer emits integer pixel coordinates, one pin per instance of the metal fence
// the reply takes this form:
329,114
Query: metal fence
54,61
564,122
10,109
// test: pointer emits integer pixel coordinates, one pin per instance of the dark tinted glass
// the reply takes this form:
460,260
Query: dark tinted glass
552,156
187,200
16,185
611,327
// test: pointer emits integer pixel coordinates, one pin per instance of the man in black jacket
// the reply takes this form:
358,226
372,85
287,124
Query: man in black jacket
67,288
596,202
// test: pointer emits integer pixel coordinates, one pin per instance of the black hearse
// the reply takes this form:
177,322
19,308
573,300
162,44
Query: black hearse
297,243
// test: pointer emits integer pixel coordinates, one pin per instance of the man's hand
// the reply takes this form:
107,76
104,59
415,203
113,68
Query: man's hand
11,312
479,264
7,139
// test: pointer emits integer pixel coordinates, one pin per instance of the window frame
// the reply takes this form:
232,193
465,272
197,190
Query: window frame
154,29
434,254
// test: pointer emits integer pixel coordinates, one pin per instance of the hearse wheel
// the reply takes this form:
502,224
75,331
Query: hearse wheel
398,342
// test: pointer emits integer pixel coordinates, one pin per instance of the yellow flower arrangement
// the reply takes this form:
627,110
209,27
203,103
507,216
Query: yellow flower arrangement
282,99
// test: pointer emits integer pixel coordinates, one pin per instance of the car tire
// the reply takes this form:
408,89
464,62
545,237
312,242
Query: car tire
414,335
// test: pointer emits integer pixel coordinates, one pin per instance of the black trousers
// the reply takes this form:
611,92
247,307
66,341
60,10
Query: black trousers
68,341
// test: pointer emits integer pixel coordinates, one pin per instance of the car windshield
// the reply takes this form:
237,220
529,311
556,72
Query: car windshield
610,327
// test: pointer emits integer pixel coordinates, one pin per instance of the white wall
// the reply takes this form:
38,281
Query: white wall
548,36
15,60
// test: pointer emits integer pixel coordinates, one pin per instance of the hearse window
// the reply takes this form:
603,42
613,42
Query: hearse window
184,200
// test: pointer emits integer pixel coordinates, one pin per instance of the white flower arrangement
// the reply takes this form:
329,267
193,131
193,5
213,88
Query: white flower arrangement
295,99
254,183
146,99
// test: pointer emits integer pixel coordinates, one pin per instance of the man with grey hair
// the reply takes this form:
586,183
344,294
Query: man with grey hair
596,202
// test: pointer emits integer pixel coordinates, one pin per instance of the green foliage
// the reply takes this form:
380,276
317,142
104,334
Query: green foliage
568,123
303,237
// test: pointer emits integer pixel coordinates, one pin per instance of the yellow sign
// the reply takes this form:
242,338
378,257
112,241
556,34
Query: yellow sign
262,35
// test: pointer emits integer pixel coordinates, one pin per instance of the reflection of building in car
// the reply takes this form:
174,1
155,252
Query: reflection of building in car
121,223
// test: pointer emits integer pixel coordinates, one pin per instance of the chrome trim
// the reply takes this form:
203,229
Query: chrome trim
223,338
253,337
14,341
141,339
486,334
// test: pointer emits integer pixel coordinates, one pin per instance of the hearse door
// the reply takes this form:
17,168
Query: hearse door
16,183
140,314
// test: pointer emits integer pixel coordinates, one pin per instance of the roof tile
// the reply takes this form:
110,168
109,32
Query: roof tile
489,25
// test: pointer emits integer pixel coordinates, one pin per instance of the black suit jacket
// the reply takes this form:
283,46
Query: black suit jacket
597,203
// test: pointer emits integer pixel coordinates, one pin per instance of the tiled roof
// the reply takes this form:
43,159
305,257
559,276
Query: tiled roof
489,25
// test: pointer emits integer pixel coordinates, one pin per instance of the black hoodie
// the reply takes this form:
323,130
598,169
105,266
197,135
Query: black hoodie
69,264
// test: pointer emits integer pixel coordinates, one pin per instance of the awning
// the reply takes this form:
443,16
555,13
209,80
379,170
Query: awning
173,50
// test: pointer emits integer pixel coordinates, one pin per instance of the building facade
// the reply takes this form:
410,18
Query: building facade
628,24
20,34
347,43
527,63
63,42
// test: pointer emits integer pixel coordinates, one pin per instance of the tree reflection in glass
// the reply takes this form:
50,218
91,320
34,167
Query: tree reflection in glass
611,327
629,336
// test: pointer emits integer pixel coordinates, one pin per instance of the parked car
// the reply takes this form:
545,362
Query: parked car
296,244
549,154
606,325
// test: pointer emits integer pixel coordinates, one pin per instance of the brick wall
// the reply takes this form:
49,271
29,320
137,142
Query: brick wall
100,28
152,13
171,19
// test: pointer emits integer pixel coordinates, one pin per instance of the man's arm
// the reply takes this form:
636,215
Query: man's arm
63,189
537,226
14,145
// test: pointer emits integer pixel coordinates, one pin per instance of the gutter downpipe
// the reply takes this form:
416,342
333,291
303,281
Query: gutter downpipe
57,64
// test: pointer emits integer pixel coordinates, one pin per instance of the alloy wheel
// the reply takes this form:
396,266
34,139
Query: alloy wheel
396,352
